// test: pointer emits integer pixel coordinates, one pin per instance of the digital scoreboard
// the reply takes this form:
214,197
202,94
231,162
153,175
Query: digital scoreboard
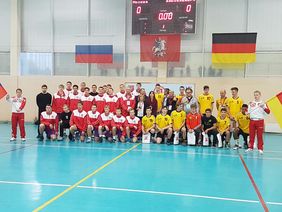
163,16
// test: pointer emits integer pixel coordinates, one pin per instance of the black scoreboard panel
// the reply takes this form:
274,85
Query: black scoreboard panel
163,16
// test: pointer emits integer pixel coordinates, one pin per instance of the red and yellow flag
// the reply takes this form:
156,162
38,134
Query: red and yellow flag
275,106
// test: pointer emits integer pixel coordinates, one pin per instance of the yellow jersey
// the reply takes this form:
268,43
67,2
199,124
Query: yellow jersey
206,102
222,124
148,122
178,118
234,105
163,121
160,98
179,98
243,122
221,103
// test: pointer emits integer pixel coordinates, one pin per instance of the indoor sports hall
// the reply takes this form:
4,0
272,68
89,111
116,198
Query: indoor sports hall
140,105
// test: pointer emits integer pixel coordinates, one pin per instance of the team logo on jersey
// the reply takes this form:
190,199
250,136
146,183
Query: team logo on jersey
165,119
159,49
151,120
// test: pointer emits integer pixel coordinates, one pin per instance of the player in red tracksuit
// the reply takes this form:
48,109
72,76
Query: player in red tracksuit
74,98
121,92
118,130
127,102
87,100
99,100
257,110
59,100
133,126
49,122
105,127
93,122
112,100
78,122
18,103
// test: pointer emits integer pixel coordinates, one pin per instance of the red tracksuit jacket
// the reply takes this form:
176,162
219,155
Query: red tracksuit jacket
112,102
79,118
93,119
58,102
87,102
127,102
100,102
118,121
132,123
73,99
105,120
48,119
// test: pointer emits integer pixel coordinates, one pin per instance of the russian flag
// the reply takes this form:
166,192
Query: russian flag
3,92
94,53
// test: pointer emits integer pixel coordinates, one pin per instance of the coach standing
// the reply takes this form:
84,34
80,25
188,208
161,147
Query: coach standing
42,100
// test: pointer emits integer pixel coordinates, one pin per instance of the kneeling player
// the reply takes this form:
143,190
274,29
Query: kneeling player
64,122
164,127
209,126
178,118
48,123
149,124
118,130
223,127
93,122
78,122
105,128
133,126
193,123
242,127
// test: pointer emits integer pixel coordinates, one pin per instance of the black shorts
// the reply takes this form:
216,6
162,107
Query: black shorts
162,135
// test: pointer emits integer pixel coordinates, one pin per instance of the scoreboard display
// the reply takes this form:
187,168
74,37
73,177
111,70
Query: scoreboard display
163,16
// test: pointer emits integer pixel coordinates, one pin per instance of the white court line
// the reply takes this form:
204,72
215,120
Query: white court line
154,151
142,191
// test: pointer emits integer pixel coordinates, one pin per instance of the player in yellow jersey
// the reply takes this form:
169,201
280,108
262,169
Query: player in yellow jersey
223,127
222,102
234,103
149,123
242,127
159,95
205,100
164,126
178,118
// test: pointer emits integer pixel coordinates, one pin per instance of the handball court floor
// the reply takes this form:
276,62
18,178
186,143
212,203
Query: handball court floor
62,176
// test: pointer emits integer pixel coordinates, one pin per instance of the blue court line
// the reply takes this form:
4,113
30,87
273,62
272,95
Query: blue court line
22,147
247,156
142,191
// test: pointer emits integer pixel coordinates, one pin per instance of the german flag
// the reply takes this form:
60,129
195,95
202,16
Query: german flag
234,48
275,106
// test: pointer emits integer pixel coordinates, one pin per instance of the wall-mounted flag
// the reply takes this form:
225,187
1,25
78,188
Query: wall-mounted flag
94,53
159,48
234,48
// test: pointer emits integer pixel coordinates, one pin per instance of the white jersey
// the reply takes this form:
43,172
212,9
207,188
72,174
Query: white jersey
18,104
257,110
120,95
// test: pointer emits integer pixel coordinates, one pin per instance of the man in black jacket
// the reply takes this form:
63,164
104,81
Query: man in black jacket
42,99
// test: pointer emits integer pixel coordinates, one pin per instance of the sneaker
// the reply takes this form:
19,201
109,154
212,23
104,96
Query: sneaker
23,140
60,138
41,138
260,152
235,147
249,150
13,139
88,140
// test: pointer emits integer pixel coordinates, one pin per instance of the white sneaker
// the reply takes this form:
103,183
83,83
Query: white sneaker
13,139
23,140
249,150
260,152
